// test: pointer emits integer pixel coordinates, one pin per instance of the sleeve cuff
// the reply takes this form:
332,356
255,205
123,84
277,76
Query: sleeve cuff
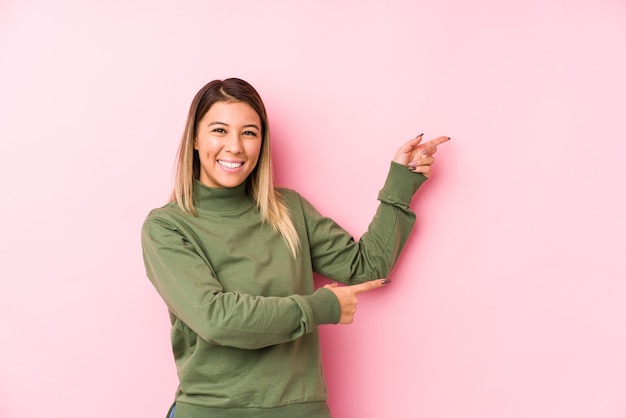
400,185
325,307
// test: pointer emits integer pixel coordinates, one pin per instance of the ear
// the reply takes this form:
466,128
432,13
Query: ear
195,143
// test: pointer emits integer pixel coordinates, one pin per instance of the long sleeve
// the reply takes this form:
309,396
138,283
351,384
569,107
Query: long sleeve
334,252
186,281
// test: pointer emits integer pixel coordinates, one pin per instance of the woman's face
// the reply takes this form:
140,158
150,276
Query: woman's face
228,141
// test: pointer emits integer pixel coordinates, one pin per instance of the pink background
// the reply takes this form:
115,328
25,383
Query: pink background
510,299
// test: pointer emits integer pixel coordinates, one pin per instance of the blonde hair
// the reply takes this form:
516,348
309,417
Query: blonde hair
260,182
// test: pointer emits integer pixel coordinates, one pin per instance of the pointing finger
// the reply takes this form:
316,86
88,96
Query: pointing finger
430,147
367,286
438,141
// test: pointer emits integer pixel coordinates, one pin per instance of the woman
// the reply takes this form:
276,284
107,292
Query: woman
233,258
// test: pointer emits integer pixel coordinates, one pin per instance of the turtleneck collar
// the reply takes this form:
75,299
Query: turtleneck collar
216,199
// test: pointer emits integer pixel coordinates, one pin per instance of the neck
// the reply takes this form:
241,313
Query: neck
221,199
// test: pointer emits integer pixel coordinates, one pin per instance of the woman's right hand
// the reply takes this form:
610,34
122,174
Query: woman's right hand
347,296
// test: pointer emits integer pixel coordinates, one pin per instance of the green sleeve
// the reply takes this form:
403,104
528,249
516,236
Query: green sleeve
334,252
225,318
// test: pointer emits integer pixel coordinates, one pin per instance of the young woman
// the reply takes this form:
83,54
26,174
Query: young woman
233,258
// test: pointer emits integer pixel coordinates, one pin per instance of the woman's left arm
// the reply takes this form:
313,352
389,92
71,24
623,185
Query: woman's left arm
334,252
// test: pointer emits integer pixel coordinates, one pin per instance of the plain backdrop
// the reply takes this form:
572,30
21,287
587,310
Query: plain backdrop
510,298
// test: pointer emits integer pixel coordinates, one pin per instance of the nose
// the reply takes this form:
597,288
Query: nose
234,144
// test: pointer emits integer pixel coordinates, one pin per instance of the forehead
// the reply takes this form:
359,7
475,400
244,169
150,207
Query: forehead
232,113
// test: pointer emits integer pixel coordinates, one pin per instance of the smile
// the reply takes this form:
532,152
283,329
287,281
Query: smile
229,164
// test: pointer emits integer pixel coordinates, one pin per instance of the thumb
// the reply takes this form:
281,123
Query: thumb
367,286
411,144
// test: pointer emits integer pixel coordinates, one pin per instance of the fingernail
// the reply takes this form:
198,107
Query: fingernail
385,281
412,165
419,135
425,151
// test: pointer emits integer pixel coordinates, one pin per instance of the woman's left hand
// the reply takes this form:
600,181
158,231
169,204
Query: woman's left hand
418,157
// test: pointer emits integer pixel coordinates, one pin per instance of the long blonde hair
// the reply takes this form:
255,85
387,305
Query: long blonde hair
260,182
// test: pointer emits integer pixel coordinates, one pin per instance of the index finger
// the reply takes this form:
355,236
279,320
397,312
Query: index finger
437,141
430,147
364,287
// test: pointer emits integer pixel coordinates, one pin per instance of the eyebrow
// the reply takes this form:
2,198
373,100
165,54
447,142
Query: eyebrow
250,125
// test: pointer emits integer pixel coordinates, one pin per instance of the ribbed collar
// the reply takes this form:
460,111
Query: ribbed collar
214,199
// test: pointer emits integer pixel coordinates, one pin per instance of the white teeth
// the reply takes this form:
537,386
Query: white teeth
228,164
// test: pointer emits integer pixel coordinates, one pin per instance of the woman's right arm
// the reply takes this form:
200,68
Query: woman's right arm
189,287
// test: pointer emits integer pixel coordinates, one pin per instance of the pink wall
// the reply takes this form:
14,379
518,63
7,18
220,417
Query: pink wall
510,300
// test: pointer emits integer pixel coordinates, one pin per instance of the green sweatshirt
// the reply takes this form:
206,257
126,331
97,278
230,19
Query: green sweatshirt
244,311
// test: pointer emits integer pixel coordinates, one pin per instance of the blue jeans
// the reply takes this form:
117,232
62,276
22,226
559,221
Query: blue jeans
172,411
